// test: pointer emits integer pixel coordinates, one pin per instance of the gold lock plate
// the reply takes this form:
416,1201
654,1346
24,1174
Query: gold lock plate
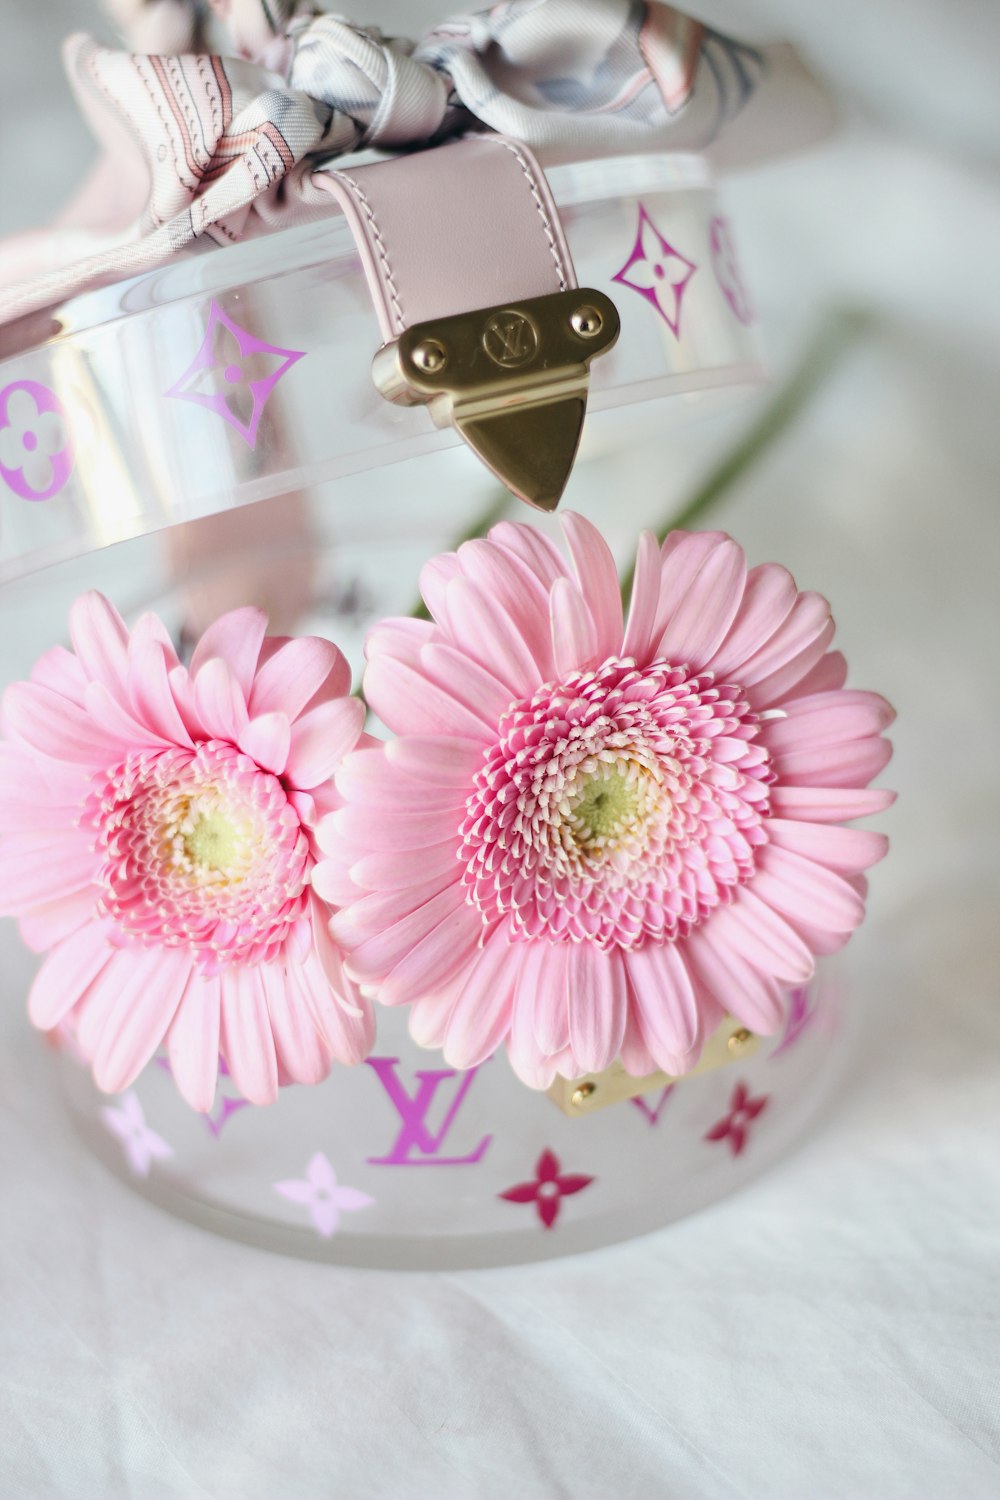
513,380
594,1091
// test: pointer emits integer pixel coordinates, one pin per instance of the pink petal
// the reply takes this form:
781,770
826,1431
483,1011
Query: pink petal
53,726
764,939
44,926
666,1002
806,891
89,1017
348,1035
332,882
150,629
597,998
408,704
375,944
777,687
403,830
574,637
193,1042
289,677
67,973
149,985
597,575
21,813
482,1016
125,729
526,1058
853,764
27,778
847,850
645,601
300,1047
404,867
752,997
220,701
372,914
150,697
435,576
681,556
100,640
818,804
236,639
400,638
267,740
805,623
435,960
247,1042
371,780
499,605
428,1017
455,672
320,740
59,670
827,719
182,688
441,760
545,985
767,601
530,546
636,1058
829,674
38,868
704,613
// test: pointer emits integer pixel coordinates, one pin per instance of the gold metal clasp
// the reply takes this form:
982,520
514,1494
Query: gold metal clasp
582,1096
513,380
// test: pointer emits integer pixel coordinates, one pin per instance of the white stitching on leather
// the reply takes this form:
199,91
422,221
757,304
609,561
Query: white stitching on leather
546,222
380,247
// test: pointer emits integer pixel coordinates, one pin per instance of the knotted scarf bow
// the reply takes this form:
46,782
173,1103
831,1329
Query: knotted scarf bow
199,145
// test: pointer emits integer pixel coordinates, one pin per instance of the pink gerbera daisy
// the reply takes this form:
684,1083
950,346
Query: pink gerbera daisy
158,845
590,838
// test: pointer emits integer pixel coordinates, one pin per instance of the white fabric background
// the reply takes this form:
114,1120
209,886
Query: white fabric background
830,1334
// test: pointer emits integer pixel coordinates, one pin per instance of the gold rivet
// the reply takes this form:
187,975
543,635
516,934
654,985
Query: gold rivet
580,1095
429,356
739,1041
586,321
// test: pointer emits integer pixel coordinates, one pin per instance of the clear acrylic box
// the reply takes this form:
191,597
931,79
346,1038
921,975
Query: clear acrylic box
217,420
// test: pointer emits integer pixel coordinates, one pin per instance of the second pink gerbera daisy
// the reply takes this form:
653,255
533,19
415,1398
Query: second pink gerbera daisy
157,823
591,838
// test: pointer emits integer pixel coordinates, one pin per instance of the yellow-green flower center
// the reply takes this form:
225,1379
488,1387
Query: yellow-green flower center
611,804
215,843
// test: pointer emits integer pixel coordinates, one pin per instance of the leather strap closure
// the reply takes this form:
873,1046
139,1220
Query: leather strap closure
467,262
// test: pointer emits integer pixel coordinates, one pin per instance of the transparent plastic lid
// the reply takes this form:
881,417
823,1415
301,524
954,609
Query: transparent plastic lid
243,373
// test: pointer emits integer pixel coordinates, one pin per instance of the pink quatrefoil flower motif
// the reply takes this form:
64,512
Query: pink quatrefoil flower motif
734,1127
322,1196
546,1190
234,373
157,823
657,271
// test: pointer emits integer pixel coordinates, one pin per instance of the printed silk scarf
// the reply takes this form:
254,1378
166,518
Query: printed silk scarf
208,148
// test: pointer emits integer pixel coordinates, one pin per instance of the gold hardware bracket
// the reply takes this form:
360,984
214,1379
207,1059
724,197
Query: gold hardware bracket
513,380
584,1096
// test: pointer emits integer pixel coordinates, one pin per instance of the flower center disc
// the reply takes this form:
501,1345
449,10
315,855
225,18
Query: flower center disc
617,806
200,849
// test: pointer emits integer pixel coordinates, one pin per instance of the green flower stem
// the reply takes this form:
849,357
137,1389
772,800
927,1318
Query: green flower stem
839,332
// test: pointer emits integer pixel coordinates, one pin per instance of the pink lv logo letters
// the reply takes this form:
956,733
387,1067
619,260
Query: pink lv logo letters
417,1145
